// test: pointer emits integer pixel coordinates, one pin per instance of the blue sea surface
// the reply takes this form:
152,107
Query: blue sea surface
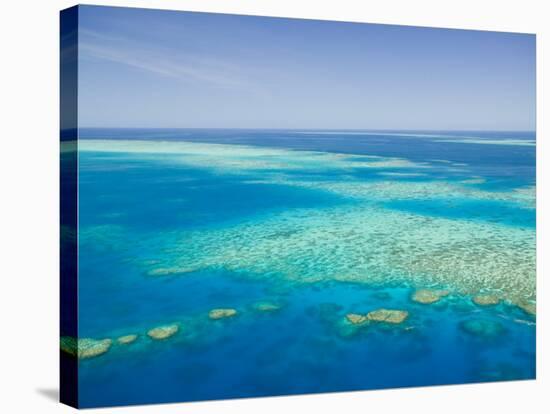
135,210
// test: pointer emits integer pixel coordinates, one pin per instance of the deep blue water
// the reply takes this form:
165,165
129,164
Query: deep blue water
131,208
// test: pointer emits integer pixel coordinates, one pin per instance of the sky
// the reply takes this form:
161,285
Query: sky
164,69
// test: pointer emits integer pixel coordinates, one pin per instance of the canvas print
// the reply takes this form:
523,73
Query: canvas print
258,206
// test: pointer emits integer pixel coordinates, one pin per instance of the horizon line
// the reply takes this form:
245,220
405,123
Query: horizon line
305,128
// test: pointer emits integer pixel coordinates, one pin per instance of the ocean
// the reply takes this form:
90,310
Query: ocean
294,231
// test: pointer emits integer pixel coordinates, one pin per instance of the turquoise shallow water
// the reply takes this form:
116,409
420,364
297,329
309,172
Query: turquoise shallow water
176,223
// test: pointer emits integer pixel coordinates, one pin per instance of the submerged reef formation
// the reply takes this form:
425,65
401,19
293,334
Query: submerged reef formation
473,181
356,318
222,313
371,226
168,271
486,300
163,332
374,221
88,348
500,372
428,296
84,347
484,328
384,247
388,316
266,306
379,315
126,339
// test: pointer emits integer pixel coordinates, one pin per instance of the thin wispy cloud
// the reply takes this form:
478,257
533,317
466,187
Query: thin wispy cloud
165,63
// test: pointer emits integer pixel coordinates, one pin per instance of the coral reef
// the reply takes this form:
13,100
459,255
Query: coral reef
88,347
266,306
222,313
385,244
126,339
356,319
484,328
167,271
84,347
528,307
388,316
163,332
486,300
428,296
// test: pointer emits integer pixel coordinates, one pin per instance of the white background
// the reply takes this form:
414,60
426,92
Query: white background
29,205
